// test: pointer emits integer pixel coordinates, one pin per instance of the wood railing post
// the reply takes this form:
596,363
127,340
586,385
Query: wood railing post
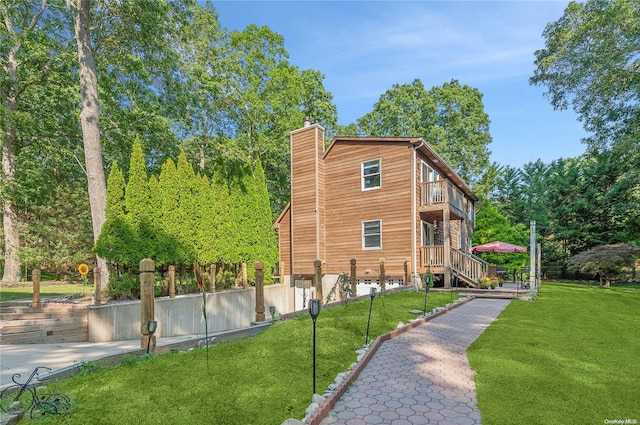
317,269
97,287
446,250
147,277
354,288
259,278
172,281
35,275
212,277
383,277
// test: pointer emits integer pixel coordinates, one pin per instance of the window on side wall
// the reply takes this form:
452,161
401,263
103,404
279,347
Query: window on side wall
371,174
372,234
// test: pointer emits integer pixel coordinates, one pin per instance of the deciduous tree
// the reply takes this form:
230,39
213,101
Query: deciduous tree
493,226
450,118
34,62
591,61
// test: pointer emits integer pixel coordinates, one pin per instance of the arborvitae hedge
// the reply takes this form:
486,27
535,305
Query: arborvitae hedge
115,192
181,216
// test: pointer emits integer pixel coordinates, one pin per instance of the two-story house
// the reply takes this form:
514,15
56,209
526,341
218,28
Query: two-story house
367,198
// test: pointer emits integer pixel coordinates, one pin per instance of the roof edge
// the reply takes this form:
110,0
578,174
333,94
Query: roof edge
276,224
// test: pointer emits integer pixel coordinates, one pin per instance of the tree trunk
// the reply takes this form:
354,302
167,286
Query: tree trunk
9,145
90,123
9,215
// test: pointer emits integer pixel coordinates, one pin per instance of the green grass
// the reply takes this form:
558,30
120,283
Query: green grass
262,380
571,357
26,292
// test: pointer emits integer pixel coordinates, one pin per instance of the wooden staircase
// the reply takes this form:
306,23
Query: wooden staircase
53,323
468,267
465,265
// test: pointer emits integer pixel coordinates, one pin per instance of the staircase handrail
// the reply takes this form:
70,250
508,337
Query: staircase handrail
467,269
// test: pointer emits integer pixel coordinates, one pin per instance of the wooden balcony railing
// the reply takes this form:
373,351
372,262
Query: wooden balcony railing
441,192
432,256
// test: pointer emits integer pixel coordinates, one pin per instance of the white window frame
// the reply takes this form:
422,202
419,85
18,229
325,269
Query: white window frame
431,174
364,236
428,233
363,176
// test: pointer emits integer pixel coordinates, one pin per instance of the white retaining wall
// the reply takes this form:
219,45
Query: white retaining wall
226,310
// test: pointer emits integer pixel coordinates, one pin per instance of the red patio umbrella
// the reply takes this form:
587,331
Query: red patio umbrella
498,246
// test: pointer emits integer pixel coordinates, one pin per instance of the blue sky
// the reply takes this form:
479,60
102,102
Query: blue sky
364,47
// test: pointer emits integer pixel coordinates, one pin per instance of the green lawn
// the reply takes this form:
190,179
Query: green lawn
571,357
26,292
262,380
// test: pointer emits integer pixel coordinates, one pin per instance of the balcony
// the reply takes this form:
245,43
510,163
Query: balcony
436,195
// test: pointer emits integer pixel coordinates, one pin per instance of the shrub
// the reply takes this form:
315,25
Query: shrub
124,286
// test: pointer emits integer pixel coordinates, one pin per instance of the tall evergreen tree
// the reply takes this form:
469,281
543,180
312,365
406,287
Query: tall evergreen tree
187,213
115,192
265,246
223,226
170,215
136,196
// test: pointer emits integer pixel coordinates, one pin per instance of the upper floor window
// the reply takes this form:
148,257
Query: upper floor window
372,234
428,174
371,174
471,216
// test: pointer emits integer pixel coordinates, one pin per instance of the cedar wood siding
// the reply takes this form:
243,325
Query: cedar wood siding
307,203
348,206
283,224
328,205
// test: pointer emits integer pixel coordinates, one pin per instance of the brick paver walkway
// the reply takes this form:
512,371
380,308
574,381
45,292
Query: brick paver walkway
422,376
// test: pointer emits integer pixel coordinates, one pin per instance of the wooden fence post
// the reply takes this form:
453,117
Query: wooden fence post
317,268
244,275
97,287
147,276
212,277
172,281
383,277
407,272
259,278
354,288
35,275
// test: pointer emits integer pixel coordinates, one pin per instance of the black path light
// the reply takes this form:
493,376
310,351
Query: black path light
372,295
152,325
314,311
